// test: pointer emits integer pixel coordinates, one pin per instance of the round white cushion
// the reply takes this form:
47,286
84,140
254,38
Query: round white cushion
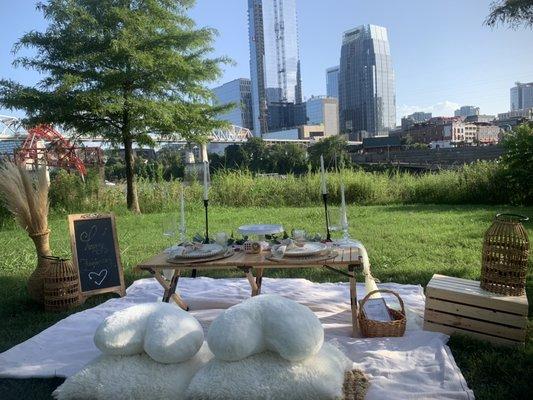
266,322
164,331
172,337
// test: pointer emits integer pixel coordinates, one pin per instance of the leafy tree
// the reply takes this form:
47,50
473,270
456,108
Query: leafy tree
333,148
288,158
256,152
511,12
122,69
518,163
235,157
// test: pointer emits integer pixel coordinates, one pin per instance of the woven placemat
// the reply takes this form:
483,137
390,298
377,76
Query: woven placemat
304,260
355,385
188,261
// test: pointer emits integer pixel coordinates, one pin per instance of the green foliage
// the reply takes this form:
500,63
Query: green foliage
257,157
511,12
479,183
335,152
124,69
70,193
518,163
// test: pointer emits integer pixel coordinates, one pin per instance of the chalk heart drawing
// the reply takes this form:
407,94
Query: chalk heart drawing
99,277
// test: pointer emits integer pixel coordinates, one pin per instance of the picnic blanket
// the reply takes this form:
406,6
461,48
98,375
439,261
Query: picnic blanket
416,366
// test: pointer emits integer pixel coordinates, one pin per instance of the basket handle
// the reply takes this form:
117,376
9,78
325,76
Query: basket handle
383,291
518,217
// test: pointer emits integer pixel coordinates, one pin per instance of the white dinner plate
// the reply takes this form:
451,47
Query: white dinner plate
308,249
205,251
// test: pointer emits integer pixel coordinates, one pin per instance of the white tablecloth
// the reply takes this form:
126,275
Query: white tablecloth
416,366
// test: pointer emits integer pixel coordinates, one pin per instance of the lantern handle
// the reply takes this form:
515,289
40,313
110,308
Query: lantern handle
519,217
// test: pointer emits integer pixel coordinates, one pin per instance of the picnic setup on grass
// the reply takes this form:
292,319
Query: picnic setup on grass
174,334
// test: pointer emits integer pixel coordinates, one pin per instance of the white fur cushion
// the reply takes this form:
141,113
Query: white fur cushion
268,376
132,377
164,331
266,322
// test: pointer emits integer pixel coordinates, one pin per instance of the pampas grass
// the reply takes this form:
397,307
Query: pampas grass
24,197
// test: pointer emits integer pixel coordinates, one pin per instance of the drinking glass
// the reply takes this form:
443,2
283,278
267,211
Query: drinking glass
221,238
334,219
298,235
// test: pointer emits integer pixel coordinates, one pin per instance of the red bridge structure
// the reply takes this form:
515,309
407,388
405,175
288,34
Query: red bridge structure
44,145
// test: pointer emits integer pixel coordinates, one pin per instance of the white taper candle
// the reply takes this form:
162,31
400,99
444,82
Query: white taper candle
323,176
206,180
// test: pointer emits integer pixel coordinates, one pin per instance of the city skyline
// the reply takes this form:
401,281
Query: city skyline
437,69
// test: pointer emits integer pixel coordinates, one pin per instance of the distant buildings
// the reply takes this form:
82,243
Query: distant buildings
451,131
238,92
415,118
522,96
274,60
480,118
466,111
367,103
332,82
324,110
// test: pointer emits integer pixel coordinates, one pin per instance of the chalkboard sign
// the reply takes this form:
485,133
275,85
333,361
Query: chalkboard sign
95,253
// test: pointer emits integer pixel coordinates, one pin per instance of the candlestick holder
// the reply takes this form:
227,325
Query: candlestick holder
328,234
206,205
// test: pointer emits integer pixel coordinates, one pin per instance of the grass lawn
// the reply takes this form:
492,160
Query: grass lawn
406,244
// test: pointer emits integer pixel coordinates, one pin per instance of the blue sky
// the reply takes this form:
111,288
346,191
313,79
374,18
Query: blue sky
442,54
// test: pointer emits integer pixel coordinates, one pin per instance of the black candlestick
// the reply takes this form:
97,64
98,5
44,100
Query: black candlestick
206,204
325,198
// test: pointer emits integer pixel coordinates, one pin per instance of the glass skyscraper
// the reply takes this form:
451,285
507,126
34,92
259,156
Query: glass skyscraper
274,57
332,82
238,92
521,96
367,99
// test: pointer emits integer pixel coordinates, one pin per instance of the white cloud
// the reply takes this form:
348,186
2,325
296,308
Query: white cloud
441,109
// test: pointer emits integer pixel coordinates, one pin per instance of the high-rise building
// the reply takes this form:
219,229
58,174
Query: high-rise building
522,96
322,110
332,82
238,92
274,57
367,102
467,111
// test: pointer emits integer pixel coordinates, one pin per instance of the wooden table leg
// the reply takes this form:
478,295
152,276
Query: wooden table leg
170,289
248,273
353,300
258,280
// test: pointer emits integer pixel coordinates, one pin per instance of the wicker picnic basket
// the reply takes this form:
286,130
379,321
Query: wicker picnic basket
61,285
505,255
371,328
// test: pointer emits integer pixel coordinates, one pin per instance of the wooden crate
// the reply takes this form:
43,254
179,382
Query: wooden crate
460,305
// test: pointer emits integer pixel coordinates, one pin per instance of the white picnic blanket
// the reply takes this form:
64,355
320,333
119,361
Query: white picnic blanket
416,366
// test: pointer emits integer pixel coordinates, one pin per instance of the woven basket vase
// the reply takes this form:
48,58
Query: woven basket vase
61,285
505,255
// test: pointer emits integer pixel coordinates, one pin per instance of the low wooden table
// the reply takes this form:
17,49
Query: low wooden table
348,259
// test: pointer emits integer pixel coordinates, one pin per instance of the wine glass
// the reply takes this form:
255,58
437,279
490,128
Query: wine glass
334,221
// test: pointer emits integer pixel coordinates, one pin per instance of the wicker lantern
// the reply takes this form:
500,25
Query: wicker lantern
61,290
505,255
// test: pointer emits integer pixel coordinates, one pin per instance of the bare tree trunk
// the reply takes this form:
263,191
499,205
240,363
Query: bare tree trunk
131,189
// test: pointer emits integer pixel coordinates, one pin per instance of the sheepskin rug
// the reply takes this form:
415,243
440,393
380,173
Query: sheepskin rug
269,376
266,322
164,331
136,377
